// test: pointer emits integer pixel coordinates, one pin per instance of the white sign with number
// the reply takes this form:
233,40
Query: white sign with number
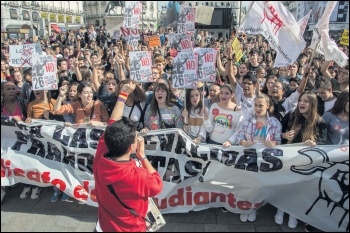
132,14
206,64
44,73
141,66
186,19
184,73
180,41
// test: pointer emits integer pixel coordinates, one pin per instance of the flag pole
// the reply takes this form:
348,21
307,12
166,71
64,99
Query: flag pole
314,52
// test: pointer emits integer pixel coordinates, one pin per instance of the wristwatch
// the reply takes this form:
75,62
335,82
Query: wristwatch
143,158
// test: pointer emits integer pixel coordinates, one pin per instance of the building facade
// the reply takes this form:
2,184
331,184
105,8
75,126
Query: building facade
102,13
22,19
339,19
226,16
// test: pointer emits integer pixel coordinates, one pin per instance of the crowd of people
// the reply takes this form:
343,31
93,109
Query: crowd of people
306,102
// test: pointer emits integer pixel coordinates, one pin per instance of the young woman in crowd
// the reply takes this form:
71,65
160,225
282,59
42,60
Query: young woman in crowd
260,75
86,110
40,108
337,119
193,116
303,125
259,127
223,118
162,113
242,71
269,84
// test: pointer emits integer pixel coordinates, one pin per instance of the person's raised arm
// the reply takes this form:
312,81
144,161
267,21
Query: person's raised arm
94,77
118,110
324,69
303,81
231,75
61,97
120,65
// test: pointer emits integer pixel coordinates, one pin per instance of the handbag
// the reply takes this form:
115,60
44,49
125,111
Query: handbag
154,219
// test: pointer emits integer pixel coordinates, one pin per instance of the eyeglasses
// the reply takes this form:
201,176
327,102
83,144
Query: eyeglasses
155,73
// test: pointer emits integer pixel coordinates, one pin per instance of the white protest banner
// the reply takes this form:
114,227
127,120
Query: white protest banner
141,66
184,73
303,23
22,55
180,41
186,19
204,14
44,73
310,183
131,36
132,14
321,41
278,26
206,64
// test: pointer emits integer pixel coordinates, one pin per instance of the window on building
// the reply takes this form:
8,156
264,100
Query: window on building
35,16
104,22
211,4
25,15
206,3
151,6
196,3
97,22
222,4
189,4
13,14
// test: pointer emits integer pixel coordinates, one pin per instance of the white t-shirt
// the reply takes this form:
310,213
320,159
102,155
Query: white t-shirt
329,104
247,104
222,123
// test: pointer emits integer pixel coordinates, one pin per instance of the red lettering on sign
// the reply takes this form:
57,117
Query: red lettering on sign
190,65
145,61
49,67
208,57
185,44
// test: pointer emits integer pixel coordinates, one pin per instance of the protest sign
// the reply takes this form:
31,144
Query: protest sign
236,46
152,41
184,73
116,34
140,66
131,36
44,73
186,19
206,64
344,40
310,183
132,14
22,55
180,41
204,14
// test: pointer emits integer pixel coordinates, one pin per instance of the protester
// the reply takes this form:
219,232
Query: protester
222,119
115,170
259,127
161,113
337,120
193,116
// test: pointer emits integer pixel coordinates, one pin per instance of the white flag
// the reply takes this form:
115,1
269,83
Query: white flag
321,39
303,22
278,26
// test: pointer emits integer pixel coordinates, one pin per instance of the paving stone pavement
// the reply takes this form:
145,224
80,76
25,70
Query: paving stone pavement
40,215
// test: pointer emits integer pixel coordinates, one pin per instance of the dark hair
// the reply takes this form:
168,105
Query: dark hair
82,85
251,77
325,84
59,61
340,103
188,100
253,51
154,103
138,95
119,136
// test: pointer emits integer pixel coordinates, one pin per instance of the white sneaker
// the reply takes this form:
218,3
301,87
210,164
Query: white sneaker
36,193
292,222
279,217
25,192
243,217
252,217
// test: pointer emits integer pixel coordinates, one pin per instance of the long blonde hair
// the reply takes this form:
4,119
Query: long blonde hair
309,133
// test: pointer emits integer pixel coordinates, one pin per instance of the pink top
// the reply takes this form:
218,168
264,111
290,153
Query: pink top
17,112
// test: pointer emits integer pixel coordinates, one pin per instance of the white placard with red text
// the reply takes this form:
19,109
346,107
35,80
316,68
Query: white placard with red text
310,183
22,55
141,66
132,12
206,64
184,73
180,41
44,73
186,19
